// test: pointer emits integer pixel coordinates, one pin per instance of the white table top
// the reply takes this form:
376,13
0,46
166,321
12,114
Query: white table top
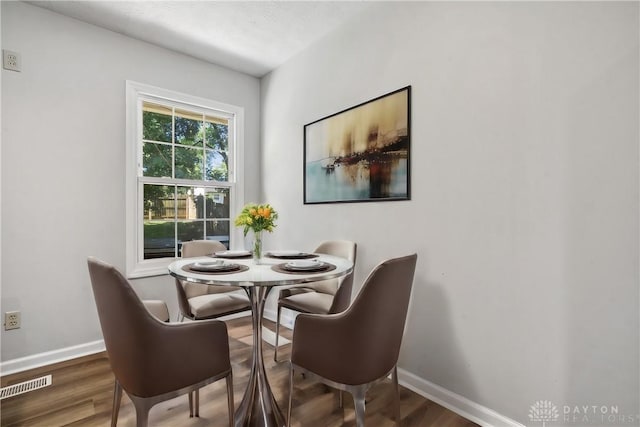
259,275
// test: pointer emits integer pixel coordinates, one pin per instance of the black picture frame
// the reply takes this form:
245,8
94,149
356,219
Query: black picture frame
361,154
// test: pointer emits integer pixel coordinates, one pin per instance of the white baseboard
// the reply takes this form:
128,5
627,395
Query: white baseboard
460,405
233,316
50,357
286,317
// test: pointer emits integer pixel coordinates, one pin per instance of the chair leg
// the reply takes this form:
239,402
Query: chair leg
142,417
197,403
190,404
117,398
359,404
230,400
290,395
340,399
275,352
142,406
394,377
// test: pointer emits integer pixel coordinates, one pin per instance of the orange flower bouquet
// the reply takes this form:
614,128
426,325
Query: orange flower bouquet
257,218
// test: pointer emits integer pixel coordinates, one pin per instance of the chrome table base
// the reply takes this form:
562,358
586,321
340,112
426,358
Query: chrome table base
258,407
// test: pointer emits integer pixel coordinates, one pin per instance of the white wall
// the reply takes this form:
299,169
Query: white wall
63,154
524,210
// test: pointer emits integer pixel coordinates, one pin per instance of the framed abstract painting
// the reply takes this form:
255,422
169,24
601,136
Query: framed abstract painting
361,154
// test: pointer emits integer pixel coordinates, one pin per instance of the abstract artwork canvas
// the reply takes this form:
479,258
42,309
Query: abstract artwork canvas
361,154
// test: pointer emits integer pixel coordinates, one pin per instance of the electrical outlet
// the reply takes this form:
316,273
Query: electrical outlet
11,320
10,60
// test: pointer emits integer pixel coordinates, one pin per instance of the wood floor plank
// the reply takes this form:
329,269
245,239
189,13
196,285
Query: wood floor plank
82,392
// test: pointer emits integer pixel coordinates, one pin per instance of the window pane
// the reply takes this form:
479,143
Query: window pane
189,163
217,166
218,230
156,159
185,208
217,202
159,226
158,202
190,230
156,122
217,134
188,128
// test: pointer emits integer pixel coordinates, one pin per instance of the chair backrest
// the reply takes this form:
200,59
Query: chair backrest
374,323
150,358
342,248
192,249
196,248
125,323
341,288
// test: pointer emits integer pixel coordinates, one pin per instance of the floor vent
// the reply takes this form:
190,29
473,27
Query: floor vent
27,386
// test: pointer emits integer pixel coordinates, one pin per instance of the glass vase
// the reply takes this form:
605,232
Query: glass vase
257,247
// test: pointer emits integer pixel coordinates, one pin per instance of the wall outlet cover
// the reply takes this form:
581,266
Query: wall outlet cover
10,60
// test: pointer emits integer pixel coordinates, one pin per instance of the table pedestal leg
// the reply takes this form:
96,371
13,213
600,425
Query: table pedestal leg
258,407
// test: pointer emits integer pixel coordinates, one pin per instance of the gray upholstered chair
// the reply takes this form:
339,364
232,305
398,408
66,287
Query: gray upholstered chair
354,349
325,297
198,301
153,361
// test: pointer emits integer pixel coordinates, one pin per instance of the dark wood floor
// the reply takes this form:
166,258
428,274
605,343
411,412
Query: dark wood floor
82,390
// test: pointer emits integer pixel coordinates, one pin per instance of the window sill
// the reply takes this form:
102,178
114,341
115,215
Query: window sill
150,269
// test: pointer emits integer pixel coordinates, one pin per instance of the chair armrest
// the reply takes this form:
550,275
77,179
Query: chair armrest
158,308
332,346
185,354
322,344
183,302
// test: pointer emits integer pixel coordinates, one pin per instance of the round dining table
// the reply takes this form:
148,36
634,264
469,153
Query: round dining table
258,406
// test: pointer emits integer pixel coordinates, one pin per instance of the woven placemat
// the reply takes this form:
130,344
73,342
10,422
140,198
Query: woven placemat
280,268
238,270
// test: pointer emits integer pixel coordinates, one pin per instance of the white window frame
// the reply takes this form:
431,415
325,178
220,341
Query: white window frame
136,93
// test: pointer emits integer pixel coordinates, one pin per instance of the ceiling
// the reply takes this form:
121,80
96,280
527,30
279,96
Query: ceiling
253,37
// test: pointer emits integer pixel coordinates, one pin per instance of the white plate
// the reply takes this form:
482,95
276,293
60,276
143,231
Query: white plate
286,253
303,265
238,253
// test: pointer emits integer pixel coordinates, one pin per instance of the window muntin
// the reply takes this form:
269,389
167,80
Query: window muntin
185,178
